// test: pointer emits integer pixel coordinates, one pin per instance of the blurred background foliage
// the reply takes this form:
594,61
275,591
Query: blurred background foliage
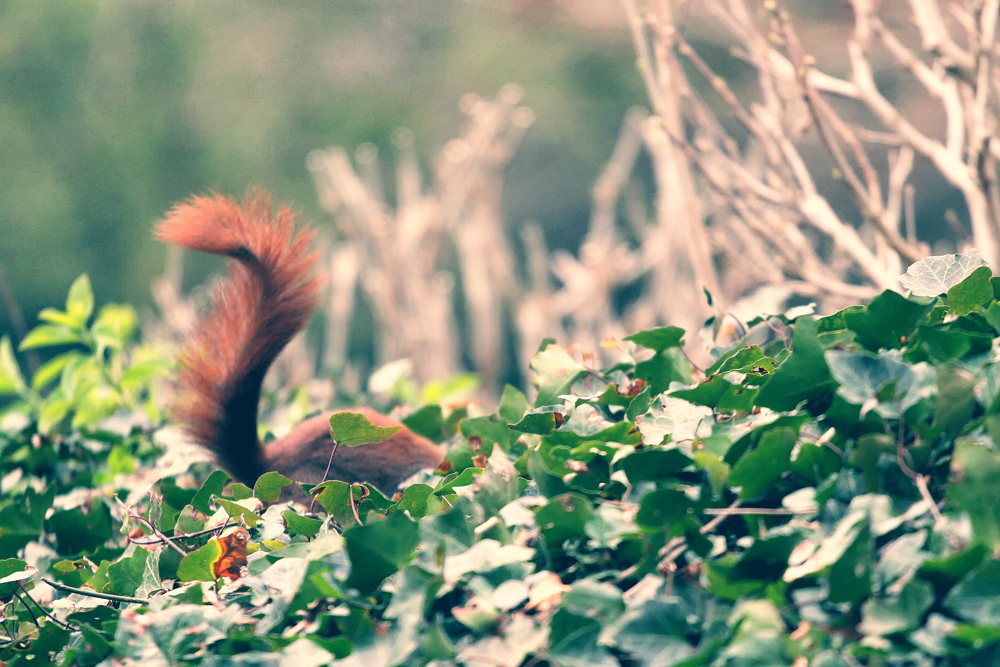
112,111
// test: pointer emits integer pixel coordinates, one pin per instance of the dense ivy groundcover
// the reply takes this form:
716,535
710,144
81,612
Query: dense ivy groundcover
826,493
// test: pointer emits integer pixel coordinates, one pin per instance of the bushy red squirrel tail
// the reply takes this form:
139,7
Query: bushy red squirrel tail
267,298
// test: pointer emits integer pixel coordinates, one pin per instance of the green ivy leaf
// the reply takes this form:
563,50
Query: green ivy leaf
12,572
240,491
81,528
237,511
336,498
353,428
662,508
22,519
956,399
543,422
974,489
757,470
977,597
268,487
883,382
301,525
971,293
414,500
199,564
555,372
126,575
663,368
427,421
943,573
513,404
656,631
803,376
379,549
450,482
563,517
210,487
886,322
653,464
660,339
767,558
573,642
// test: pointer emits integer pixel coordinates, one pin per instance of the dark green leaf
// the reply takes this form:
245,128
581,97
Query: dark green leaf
974,489
766,558
656,631
81,528
427,421
211,487
757,470
513,404
802,377
22,521
850,576
887,320
555,372
540,423
652,464
956,399
563,517
974,291
663,368
943,573
127,574
379,549
301,525
660,339
976,598
662,508
573,642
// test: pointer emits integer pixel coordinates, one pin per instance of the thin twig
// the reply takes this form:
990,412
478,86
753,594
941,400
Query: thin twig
761,511
329,464
925,493
711,525
24,594
350,498
184,536
94,594
154,530
483,658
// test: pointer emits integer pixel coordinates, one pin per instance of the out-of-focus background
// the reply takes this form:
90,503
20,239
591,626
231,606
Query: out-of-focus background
475,171
111,111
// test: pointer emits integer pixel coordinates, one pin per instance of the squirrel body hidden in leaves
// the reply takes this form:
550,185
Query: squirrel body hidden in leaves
266,299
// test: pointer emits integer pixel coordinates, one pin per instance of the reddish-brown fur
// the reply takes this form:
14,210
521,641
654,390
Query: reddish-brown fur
265,300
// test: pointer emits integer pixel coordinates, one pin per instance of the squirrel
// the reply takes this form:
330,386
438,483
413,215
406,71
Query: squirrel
264,301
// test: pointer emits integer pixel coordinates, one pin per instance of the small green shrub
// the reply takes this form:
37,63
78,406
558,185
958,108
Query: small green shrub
825,493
